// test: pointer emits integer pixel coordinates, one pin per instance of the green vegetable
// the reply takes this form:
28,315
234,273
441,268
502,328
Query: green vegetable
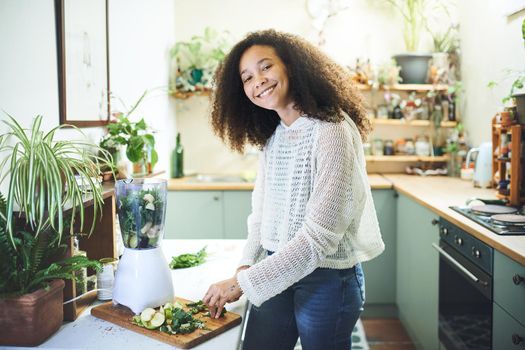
168,319
188,260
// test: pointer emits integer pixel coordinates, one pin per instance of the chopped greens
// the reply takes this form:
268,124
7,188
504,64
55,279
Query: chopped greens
188,260
174,319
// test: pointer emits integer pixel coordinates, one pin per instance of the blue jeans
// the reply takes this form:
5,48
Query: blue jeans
321,309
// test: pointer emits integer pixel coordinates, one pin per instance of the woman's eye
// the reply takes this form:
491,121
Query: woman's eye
267,67
245,80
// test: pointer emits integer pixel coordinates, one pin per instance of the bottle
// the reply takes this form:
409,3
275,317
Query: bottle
81,274
451,109
177,159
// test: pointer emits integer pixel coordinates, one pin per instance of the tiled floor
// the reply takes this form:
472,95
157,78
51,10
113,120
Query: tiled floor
386,334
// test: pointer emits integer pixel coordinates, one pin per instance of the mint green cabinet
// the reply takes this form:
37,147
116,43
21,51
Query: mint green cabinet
509,286
507,332
237,206
417,272
194,214
207,214
380,273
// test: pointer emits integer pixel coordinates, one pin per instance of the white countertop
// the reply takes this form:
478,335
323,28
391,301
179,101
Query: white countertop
89,332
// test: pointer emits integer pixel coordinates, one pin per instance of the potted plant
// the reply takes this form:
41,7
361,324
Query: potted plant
135,137
197,59
414,65
45,198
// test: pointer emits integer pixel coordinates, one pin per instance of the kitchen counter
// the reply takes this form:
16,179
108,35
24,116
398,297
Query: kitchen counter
438,193
188,184
89,332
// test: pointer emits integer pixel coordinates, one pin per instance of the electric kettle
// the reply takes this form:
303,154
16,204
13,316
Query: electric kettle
483,168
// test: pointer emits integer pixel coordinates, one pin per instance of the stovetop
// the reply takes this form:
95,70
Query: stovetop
485,221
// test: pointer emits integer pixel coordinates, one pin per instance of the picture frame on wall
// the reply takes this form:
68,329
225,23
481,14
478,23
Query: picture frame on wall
83,62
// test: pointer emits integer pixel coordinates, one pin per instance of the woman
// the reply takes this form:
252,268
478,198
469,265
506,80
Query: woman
313,220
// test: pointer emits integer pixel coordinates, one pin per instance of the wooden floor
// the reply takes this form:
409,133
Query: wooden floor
386,334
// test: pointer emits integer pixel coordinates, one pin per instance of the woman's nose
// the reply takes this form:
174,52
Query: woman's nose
260,81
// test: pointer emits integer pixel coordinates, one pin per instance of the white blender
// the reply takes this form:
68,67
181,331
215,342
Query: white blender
143,278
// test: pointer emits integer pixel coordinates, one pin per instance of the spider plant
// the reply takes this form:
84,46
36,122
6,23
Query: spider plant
42,178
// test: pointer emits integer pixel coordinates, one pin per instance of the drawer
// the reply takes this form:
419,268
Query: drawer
509,286
507,333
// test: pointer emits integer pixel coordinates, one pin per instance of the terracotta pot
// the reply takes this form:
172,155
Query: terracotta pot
30,319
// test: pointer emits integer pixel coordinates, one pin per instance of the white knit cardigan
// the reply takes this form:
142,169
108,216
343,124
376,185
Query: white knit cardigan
311,205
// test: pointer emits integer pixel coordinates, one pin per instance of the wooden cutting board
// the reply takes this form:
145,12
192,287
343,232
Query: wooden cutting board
122,316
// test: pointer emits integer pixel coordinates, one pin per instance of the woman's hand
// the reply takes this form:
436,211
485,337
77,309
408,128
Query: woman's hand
223,292
220,293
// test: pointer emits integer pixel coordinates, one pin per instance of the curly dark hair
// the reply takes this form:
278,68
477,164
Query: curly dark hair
320,88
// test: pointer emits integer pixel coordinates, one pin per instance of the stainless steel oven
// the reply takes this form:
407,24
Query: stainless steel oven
465,289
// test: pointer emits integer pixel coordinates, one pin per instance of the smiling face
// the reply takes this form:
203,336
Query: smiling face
264,78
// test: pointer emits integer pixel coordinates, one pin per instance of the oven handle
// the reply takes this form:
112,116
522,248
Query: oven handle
455,262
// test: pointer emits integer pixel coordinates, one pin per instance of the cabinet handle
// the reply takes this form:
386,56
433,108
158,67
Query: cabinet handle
216,198
517,279
435,222
516,339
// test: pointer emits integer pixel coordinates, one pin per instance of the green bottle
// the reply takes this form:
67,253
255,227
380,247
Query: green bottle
177,159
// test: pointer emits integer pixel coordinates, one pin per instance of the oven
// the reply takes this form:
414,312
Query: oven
465,289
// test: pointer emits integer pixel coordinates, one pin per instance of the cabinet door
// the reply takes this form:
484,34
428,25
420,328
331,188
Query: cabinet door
237,206
507,333
509,286
417,272
380,273
194,214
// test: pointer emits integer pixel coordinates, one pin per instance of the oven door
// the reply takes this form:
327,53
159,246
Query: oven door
465,302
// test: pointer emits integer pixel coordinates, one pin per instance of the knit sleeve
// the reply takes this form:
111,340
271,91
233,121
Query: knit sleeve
253,249
330,210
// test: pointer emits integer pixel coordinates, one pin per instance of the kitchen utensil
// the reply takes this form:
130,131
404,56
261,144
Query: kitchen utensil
483,168
143,278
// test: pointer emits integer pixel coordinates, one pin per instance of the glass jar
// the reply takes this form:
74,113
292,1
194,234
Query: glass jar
410,148
422,146
388,149
377,147
367,149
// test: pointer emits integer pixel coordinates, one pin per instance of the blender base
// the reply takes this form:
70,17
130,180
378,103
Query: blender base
143,279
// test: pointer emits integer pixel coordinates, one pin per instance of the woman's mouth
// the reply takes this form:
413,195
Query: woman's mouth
266,92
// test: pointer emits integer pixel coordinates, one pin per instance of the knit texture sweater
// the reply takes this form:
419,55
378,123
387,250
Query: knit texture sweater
311,205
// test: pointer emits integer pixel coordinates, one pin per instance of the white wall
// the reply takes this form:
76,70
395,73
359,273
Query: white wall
141,32
491,42
363,30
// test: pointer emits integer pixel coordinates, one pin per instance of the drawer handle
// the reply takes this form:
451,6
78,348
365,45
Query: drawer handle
434,222
516,339
517,279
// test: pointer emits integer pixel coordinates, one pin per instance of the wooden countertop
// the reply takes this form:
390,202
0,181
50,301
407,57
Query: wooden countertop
189,184
435,193
438,193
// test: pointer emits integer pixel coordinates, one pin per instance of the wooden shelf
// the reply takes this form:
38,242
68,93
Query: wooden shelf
508,168
404,122
406,158
183,95
406,87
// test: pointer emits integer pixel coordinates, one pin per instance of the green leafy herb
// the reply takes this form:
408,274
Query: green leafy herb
188,260
176,320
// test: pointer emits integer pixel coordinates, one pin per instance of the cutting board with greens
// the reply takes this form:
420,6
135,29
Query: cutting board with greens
183,323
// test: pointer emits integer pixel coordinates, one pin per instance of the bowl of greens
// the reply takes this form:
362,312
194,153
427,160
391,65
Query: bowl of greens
141,209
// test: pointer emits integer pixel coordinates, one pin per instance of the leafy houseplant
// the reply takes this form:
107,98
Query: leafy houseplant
413,65
196,60
140,144
44,197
